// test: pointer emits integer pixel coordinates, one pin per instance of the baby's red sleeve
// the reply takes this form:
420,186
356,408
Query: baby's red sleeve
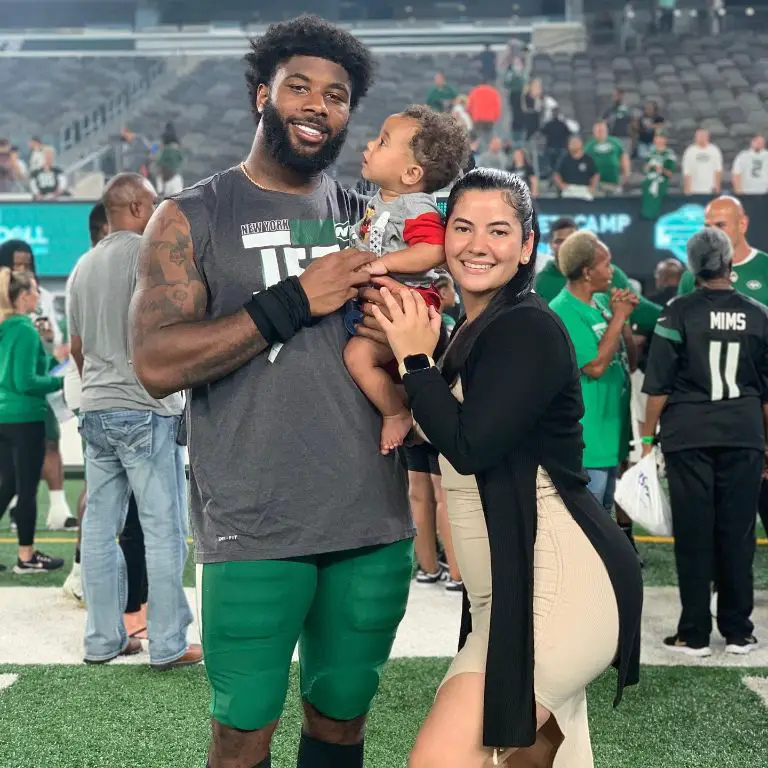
426,228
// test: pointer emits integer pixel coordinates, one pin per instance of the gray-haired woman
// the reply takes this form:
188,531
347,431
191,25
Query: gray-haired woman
707,381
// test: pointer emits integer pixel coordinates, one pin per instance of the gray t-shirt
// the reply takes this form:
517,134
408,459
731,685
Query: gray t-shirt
284,452
392,225
99,295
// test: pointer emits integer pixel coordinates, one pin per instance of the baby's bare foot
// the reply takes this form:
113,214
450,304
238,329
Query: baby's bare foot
393,431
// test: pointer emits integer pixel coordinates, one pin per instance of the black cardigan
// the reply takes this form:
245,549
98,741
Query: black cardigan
521,411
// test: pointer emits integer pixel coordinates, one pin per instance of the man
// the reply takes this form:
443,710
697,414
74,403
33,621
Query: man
705,380
750,169
17,255
550,281
702,166
302,530
485,108
557,133
667,277
749,273
98,228
130,447
619,118
660,166
449,301
610,158
441,97
131,539
576,174
494,156
48,182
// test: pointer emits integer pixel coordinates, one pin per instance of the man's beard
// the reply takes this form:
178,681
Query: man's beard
279,145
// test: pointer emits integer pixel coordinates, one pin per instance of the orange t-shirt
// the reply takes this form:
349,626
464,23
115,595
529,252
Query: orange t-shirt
484,104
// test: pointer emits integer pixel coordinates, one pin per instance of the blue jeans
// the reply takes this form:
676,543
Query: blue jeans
602,485
134,451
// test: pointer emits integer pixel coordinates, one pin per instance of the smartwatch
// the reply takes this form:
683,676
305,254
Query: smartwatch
413,363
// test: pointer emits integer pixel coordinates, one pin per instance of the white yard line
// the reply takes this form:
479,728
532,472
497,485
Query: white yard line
6,681
41,626
760,686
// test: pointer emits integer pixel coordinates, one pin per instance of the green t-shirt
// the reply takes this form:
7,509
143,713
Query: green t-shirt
750,278
550,281
606,400
607,156
656,182
440,98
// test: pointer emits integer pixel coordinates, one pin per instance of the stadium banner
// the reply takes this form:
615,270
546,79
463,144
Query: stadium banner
638,244
57,232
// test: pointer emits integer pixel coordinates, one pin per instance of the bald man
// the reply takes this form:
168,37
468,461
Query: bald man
668,274
749,274
130,447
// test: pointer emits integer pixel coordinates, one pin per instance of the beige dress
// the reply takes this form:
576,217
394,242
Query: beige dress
576,618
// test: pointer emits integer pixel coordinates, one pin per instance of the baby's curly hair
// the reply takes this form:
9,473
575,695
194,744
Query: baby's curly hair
308,35
440,146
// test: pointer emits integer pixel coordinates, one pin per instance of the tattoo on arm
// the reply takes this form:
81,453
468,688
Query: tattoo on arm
174,346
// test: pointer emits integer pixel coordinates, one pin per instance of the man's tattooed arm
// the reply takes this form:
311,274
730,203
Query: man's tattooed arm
174,346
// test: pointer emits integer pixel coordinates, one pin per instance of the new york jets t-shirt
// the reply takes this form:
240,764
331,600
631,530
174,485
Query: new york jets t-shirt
284,451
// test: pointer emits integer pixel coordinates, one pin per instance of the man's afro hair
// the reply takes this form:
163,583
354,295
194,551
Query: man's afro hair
309,35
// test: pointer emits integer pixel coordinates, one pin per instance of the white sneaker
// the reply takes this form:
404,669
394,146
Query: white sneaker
742,647
73,586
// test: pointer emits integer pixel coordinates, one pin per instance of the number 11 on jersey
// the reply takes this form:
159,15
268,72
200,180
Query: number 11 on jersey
723,384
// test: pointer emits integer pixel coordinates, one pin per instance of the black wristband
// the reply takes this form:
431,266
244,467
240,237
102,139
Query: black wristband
280,311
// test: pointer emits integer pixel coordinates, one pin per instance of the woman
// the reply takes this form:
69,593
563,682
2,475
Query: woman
17,256
24,384
707,381
565,583
521,166
532,106
605,354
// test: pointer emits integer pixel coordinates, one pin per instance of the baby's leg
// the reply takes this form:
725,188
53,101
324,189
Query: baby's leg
364,358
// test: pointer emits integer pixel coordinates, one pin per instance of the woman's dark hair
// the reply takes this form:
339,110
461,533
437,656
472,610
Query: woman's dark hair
96,221
9,247
308,35
518,197
169,136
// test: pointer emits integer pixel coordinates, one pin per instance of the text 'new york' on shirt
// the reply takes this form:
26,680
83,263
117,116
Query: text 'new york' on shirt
284,455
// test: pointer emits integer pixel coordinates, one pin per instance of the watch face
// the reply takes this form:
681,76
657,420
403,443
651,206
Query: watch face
416,363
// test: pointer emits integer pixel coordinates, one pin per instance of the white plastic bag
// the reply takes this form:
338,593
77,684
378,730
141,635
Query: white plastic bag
640,495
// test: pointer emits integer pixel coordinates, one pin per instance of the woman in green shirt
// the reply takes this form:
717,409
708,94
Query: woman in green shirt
605,354
25,381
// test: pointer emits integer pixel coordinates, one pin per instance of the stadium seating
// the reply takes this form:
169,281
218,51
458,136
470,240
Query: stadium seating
210,109
714,83
42,95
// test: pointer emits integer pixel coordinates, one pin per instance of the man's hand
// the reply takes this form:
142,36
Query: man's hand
369,298
332,280
646,449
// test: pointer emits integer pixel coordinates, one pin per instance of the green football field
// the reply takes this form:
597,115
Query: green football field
126,716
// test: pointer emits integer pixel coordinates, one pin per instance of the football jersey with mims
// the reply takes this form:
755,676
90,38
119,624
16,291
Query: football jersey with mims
749,277
284,451
710,357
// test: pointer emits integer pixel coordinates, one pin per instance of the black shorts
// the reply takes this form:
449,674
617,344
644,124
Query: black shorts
422,458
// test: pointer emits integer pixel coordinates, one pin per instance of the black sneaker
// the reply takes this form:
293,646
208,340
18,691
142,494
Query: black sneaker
422,577
741,646
39,563
453,585
3,568
674,643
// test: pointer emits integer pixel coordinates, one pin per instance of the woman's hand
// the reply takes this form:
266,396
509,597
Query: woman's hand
413,329
623,302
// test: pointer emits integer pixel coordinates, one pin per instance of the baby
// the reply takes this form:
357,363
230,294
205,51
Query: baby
417,153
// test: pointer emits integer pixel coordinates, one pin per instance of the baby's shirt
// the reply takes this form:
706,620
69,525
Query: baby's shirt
401,223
